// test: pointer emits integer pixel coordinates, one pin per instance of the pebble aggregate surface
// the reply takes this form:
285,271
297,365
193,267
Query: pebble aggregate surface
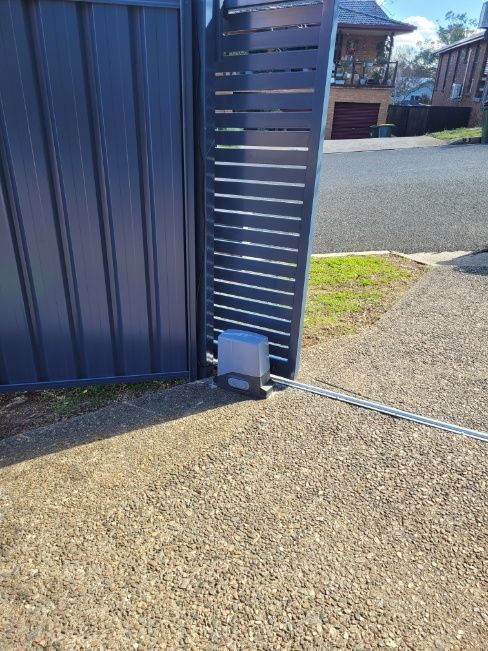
206,521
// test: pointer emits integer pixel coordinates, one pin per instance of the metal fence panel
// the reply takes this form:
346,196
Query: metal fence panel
95,192
270,95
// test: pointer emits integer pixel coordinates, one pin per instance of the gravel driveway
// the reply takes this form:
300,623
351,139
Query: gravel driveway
410,200
294,523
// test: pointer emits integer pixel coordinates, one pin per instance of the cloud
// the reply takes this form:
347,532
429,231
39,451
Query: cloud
426,31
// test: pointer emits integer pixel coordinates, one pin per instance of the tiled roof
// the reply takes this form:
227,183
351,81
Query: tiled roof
367,12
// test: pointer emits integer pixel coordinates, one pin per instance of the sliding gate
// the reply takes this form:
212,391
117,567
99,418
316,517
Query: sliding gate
271,76
96,228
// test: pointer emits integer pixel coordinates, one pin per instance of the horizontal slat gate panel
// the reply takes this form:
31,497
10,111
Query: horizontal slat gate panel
268,125
264,120
261,156
277,325
268,61
255,251
264,101
254,173
265,81
258,294
281,38
261,138
291,192
279,208
255,279
285,17
256,237
279,340
264,309
258,266
257,221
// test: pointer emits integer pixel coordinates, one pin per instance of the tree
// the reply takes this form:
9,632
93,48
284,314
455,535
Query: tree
420,62
457,26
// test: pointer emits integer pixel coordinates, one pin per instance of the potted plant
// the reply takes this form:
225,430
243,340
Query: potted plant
376,77
363,81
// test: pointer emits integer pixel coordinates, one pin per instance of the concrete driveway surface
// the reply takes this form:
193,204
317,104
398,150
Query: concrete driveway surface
376,144
410,200
192,519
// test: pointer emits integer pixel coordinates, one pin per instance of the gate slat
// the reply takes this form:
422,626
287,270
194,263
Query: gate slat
257,221
279,208
259,294
260,190
264,120
265,81
268,61
259,266
263,309
264,101
261,156
281,38
256,280
255,173
262,138
256,237
309,15
274,254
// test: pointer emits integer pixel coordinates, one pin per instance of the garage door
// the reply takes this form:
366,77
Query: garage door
353,119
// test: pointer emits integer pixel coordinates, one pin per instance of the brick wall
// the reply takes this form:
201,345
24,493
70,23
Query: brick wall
463,66
366,44
365,94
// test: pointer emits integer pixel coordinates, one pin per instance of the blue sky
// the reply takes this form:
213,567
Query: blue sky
423,13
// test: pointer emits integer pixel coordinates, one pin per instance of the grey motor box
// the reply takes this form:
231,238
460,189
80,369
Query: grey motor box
243,363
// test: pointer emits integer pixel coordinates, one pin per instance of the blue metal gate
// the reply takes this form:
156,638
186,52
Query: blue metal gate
270,91
96,226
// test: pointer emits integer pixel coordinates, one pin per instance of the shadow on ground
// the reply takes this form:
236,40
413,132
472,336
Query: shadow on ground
148,410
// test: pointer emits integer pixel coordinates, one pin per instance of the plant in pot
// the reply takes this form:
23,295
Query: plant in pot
363,81
376,77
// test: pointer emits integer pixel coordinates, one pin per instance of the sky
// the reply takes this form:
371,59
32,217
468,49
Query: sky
423,14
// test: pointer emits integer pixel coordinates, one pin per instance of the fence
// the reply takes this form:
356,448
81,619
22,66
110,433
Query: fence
96,177
419,120
116,263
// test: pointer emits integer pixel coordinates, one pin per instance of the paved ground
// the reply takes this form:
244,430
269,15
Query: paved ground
193,520
407,200
375,144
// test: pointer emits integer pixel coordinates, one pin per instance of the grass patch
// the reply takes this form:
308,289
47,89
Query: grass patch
347,293
452,134
29,409
344,294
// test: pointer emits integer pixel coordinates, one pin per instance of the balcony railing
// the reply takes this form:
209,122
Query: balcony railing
364,74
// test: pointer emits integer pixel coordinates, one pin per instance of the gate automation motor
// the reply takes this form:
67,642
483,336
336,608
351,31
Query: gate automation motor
243,363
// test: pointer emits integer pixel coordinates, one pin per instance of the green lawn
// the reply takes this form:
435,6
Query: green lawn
349,292
457,133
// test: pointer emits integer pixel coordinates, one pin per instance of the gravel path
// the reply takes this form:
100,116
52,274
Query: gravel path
405,200
294,523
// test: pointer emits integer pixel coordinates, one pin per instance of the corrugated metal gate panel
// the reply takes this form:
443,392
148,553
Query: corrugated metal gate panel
270,96
93,282
353,119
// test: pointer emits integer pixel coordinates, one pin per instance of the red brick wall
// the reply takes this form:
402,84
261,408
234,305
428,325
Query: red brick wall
459,67
367,94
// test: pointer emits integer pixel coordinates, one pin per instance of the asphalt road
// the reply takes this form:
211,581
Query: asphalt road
413,200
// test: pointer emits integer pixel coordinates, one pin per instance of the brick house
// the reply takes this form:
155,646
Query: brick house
363,74
462,75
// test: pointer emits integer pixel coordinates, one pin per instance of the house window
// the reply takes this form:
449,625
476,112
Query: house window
483,79
476,58
456,66
447,71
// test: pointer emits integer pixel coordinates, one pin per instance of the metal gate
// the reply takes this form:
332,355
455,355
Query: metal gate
270,91
96,226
